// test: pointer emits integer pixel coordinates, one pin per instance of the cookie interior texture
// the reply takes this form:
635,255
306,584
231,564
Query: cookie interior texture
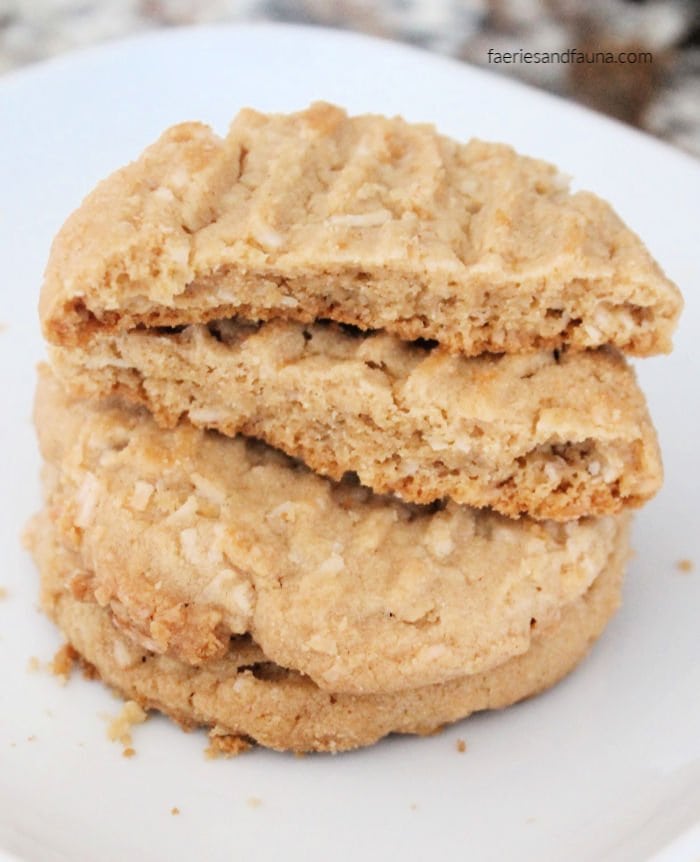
189,537
550,434
244,694
364,220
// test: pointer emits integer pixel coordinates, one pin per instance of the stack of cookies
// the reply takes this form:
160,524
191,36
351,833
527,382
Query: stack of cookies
339,438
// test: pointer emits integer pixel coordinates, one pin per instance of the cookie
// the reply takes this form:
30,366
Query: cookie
189,537
549,435
363,220
244,694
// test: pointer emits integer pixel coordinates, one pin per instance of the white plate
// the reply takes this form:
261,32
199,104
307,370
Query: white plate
606,766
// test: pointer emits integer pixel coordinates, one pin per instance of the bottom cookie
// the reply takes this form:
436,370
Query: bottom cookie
246,695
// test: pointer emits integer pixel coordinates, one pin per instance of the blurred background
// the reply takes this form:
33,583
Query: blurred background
662,96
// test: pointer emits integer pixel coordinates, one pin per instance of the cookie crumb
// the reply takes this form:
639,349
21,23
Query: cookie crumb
3,593
461,746
253,802
120,727
413,806
175,811
89,671
33,664
225,746
63,662
685,566
31,738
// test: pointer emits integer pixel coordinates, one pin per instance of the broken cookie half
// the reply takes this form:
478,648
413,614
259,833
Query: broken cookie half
363,220
554,435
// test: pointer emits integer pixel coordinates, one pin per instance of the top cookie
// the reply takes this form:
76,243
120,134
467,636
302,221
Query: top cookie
363,220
